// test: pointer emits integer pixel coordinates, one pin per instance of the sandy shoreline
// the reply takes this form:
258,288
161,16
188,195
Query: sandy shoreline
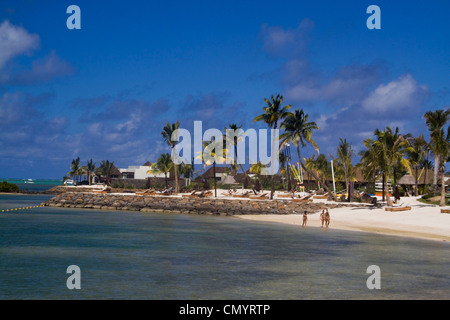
422,221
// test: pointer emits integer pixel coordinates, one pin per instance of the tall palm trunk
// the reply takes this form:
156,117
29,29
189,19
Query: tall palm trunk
272,191
176,177
442,203
388,199
240,164
416,181
436,169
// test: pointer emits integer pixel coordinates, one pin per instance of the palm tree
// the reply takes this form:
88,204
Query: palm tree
164,164
211,148
344,157
257,168
90,167
283,160
106,169
322,168
187,170
390,149
299,131
273,112
234,140
435,121
441,140
171,140
416,156
75,169
369,163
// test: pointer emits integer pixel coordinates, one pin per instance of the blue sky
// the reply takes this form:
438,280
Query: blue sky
105,91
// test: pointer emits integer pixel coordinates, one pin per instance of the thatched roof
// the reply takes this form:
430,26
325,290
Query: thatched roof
229,180
407,180
210,172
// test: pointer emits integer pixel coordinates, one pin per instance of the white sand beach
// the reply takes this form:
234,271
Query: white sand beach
422,221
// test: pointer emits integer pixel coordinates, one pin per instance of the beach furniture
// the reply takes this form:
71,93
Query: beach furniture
203,194
284,195
147,192
401,208
104,190
167,192
301,200
192,194
445,210
259,196
324,196
304,199
241,195
198,194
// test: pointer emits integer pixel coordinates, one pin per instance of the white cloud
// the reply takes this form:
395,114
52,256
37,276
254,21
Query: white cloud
398,95
15,41
286,42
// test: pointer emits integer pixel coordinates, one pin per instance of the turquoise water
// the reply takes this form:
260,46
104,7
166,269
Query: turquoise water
131,255
34,185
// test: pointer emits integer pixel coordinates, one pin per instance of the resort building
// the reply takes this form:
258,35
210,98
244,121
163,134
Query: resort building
139,172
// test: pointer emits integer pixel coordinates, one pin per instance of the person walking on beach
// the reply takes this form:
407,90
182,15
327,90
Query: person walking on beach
322,217
327,218
305,218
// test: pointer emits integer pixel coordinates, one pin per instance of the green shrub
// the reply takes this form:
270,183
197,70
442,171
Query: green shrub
8,187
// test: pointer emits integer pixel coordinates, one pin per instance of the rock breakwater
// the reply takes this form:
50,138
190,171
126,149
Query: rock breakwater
186,205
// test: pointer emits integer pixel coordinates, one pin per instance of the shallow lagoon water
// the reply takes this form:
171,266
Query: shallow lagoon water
133,255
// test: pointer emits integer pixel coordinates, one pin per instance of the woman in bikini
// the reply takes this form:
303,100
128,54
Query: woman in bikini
322,217
305,218
327,218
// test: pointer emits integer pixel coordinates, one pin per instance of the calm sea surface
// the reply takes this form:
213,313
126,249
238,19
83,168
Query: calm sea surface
131,255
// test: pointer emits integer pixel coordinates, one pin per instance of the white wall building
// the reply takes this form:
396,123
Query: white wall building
139,172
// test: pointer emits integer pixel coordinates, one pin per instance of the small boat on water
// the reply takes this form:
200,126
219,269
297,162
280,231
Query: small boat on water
29,181
69,182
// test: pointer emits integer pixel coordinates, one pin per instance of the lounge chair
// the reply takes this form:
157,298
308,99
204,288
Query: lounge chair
259,196
229,192
284,195
167,192
401,207
192,194
445,210
104,190
324,196
304,199
147,192
242,195
203,194
397,208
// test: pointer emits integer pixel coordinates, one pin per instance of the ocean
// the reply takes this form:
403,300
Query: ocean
133,255
34,185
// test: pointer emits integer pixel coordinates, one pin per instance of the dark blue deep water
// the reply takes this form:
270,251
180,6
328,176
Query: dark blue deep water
132,255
